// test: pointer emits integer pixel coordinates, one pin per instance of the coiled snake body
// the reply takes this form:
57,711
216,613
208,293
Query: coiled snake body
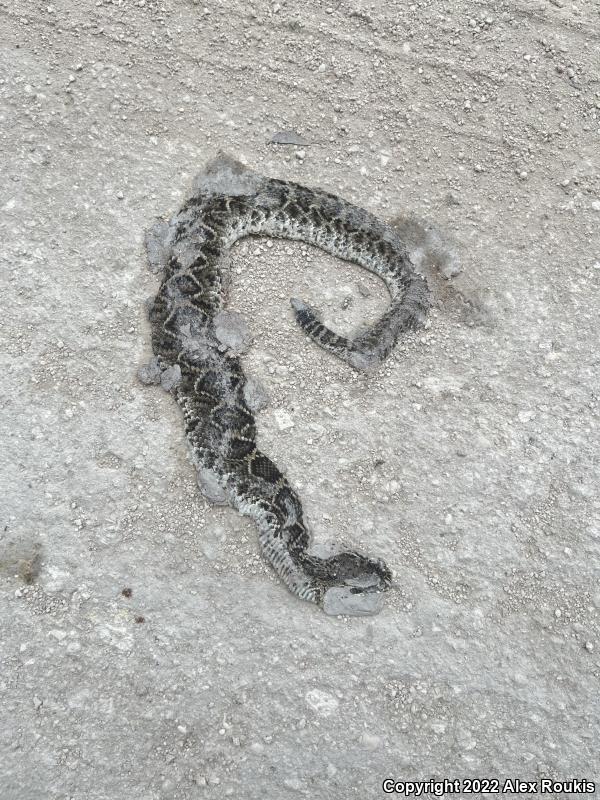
228,202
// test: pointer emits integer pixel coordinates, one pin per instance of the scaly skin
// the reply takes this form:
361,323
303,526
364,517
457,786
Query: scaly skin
227,203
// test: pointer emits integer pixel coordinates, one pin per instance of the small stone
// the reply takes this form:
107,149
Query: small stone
37,703
558,613
283,419
596,205
150,373
255,395
340,600
465,739
589,647
171,377
120,195
451,199
323,703
369,741
300,154
289,137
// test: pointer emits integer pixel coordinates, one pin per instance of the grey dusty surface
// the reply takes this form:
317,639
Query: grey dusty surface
469,461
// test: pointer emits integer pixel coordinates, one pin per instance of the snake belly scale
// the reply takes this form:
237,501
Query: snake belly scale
228,201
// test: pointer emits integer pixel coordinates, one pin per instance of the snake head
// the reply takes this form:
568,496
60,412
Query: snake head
360,573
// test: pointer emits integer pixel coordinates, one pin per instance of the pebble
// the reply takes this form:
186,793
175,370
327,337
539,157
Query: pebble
288,137
589,647
283,419
340,600
323,703
255,395
171,377
452,199
150,373
370,741
596,205
292,783
465,739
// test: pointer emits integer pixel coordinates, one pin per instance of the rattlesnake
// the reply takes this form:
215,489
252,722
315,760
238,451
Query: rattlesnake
229,201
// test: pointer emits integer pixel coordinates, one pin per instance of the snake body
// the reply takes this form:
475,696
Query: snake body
229,201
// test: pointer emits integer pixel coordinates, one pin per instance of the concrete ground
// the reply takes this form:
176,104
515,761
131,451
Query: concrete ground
146,649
